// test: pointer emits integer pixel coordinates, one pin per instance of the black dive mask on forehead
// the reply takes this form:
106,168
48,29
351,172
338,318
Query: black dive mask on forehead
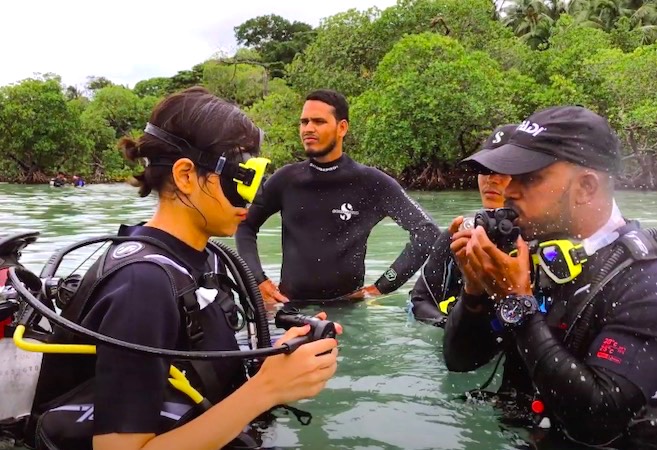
240,179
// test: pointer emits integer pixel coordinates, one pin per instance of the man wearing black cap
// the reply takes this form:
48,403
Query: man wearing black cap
574,309
439,284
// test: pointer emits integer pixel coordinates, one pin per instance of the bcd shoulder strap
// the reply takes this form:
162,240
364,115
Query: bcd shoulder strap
61,372
641,243
636,245
130,251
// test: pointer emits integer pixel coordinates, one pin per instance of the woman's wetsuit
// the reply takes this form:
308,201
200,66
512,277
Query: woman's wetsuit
137,304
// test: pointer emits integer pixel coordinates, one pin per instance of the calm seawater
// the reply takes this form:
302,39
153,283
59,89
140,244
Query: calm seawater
391,391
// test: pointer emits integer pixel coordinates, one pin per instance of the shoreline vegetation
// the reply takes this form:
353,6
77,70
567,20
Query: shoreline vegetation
427,81
455,181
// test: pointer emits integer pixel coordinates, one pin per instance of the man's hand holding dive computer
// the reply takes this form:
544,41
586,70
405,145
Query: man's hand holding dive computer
487,269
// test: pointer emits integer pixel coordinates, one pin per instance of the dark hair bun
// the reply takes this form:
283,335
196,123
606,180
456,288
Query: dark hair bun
130,149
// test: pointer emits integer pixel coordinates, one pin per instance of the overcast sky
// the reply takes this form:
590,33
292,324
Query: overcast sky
127,41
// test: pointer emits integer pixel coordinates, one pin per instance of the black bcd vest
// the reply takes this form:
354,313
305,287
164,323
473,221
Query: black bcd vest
63,374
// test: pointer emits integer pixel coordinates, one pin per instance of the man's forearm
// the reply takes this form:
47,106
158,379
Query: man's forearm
410,260
247,247
469,340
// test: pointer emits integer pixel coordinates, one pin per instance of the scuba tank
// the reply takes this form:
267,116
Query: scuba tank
20,369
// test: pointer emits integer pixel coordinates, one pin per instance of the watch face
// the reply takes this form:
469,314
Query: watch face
511,310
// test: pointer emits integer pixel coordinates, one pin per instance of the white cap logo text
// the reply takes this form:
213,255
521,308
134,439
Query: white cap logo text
530,127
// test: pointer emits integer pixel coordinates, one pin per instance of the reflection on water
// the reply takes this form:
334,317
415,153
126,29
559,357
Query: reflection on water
65,215
391,391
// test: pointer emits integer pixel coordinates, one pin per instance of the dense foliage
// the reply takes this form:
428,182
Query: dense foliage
426,79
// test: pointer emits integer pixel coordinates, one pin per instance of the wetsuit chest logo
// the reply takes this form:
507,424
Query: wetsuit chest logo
346,211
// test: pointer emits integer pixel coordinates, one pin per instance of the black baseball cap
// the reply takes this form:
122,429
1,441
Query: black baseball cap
498,137
560,133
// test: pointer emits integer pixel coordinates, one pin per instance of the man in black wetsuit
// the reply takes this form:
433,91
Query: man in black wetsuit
329,205
439,284
581,351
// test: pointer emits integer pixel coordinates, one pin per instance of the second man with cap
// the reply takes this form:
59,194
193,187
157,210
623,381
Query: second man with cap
436,290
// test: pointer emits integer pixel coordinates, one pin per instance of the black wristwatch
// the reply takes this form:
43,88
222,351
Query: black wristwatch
513,310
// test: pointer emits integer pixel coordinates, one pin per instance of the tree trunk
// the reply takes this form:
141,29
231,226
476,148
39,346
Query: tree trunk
24,166
31,173
436,176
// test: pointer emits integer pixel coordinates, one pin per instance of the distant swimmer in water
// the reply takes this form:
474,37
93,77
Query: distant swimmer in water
78,181
439,284
329,205
59,180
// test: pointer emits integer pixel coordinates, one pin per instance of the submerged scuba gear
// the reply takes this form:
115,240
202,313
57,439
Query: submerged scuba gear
240,180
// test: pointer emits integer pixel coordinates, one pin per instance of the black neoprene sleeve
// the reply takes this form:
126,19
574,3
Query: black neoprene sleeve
423,232
469,341
430,282
264,206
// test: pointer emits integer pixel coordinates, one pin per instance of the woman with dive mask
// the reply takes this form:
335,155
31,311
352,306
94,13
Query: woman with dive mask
200,157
